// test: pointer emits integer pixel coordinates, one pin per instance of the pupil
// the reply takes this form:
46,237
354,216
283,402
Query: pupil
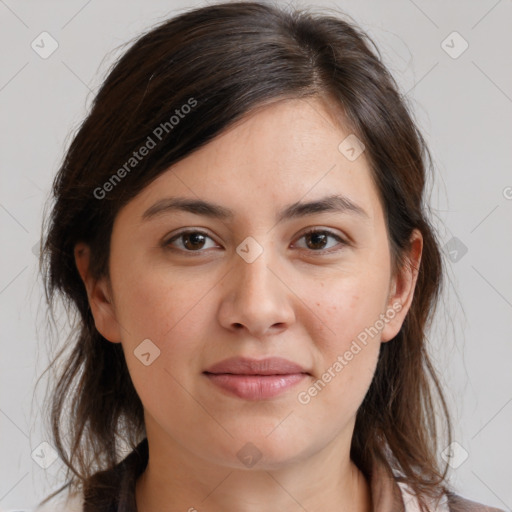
315,237
197,238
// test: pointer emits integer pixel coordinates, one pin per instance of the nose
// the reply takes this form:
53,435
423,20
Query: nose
256,297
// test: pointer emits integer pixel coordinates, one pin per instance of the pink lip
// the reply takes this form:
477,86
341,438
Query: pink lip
247,366
253,379
255,387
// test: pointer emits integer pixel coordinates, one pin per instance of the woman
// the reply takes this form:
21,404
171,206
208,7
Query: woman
240,223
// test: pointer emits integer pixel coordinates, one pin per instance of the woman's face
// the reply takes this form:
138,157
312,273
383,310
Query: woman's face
253,284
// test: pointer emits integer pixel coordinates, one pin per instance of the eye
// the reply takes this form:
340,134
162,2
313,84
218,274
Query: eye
317,240
189,241
194,240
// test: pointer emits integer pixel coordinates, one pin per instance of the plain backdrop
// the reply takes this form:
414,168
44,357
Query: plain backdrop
453,62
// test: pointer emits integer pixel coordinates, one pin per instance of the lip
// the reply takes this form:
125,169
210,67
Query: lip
247,366
253,379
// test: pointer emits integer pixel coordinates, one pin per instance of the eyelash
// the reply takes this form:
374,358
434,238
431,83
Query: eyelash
166,244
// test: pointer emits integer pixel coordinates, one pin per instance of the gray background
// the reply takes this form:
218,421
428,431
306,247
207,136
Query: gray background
463,106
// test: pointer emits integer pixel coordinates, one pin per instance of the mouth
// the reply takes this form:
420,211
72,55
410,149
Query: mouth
255,387
252,379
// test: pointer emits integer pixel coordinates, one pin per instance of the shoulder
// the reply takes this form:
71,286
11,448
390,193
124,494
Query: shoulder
457,503
449,502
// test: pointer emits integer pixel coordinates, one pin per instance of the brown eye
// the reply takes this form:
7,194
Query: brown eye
193,240
189,241
318,240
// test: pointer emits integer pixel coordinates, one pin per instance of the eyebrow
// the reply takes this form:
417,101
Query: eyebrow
334,203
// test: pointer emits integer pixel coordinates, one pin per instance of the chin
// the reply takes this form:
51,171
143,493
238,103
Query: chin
258,451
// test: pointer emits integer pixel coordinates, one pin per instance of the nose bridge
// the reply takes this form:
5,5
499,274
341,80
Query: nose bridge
253,275
256,298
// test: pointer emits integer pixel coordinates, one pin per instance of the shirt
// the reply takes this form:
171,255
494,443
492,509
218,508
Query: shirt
388,495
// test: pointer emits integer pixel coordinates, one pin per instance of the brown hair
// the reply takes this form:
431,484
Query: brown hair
224,61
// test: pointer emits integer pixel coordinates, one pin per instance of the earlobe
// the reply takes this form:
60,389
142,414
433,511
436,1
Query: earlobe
402,289
99,296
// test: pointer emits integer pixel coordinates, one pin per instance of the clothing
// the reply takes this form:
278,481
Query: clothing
388,495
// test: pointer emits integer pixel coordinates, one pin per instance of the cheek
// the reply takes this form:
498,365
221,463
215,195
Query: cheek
349,307
173,320
168,309
347,336
155,300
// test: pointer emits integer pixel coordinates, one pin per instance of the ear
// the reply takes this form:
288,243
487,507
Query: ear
402,289
99,295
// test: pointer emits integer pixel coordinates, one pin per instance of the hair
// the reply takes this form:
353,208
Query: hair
224,61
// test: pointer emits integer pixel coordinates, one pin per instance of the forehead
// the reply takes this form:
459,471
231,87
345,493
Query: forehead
283,152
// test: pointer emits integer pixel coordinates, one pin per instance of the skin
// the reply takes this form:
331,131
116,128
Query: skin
291,302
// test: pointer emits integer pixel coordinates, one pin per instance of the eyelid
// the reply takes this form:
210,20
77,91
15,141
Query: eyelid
168,239
311,230
319,229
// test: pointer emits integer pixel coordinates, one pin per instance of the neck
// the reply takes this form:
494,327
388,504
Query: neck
307,485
